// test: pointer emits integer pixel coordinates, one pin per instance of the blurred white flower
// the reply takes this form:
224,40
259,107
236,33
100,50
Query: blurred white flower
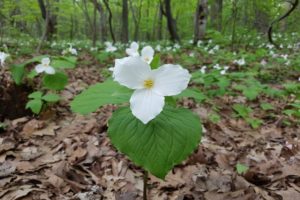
158,48
110,47
203,69
151,86
263,62
217,66
45,67
240,62
285,56
177,46
223,72
3,57
133,49
147,54
73,51
199,43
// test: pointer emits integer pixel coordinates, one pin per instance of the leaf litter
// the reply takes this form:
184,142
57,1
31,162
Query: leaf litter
60,155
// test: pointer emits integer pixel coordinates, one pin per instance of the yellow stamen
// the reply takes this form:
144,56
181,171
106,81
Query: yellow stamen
148,83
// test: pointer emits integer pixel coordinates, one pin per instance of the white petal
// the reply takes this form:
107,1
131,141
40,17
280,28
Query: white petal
170,80
147,54
46,61
146,104
132,52
131,72
49,70
40,68
134,46
108,44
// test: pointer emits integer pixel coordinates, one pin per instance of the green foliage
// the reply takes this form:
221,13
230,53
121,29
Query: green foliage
155,62
37,101
159,145
17,72
192,93
64,62
244,112
56,81
100,94
240,168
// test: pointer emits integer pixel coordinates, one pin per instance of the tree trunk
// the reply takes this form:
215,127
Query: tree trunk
102,28
160,18
51,24
124,31
167,12
200,21
234,20
136,16
216,14
110,20
95,27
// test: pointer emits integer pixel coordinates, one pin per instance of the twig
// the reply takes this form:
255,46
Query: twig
145,190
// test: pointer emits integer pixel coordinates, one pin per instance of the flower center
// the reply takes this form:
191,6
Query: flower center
147,59
148,83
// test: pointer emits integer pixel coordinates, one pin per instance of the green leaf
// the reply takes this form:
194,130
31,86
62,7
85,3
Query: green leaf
266,106
35,95
64,62
2,126
32,74
192,93
255,123
242,111
35,105
240,168
155,62
251,93
159,145
51,97
95,96
17,72
56,81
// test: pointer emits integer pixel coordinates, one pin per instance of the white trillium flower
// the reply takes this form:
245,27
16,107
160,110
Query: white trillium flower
240,62
133,50
263,62
203,69
158,48
223,72
147,54
177,46
118,62
3,57
151,86
285,56
73,50
110,47
217,66
45,67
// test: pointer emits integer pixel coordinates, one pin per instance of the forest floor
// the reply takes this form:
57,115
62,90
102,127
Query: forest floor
61,155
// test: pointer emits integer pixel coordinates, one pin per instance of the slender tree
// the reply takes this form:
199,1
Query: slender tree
124,31
106,3
167,12
200,20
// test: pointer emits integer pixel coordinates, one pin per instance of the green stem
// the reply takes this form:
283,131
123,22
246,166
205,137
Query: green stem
145,185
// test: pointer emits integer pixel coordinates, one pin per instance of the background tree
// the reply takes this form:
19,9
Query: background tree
200,20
